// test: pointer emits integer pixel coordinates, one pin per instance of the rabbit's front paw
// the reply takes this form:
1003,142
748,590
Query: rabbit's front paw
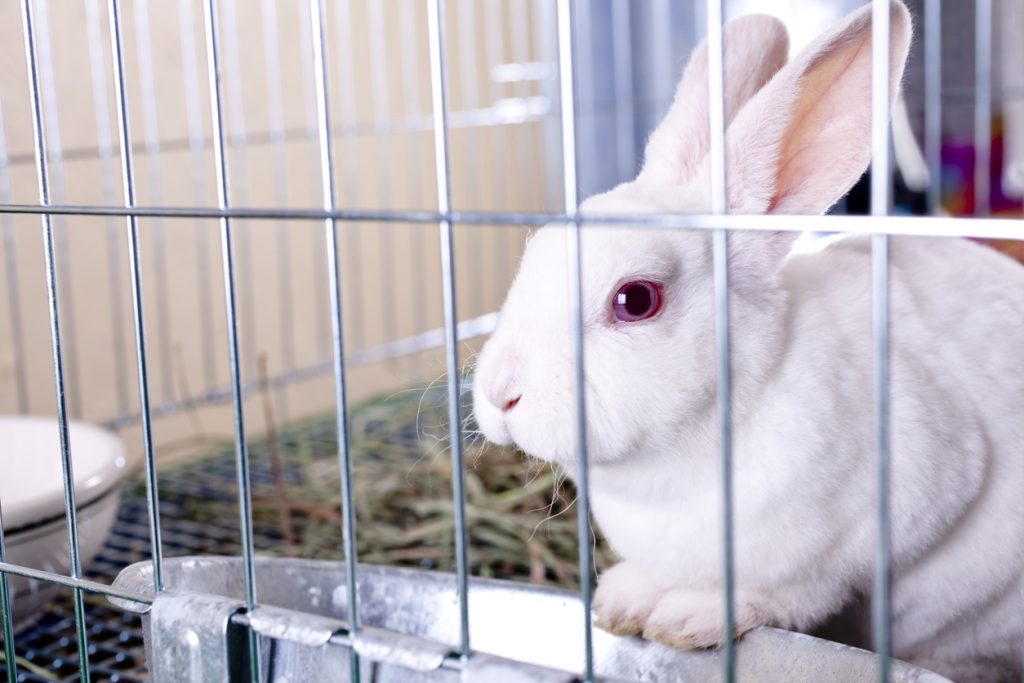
625,597
688,620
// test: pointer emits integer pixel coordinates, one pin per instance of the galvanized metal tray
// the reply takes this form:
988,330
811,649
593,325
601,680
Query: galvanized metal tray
530,633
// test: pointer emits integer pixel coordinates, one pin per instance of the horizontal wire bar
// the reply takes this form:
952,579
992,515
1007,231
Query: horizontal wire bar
69,582
425,341
918,226
219,395
533,110
527,110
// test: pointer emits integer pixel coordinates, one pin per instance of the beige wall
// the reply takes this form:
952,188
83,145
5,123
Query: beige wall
396,288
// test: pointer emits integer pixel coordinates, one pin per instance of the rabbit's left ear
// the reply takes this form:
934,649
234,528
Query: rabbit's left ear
755,48
804,139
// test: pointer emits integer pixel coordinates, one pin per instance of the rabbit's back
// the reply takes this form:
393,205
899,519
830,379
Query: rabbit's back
956,311
969,301
957,397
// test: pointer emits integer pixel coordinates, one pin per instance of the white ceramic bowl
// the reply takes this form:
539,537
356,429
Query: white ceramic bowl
32,500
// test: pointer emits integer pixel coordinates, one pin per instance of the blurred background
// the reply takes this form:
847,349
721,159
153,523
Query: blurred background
505,149
958,140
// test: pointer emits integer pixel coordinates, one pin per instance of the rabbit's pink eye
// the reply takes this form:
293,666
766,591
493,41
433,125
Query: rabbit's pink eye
637,300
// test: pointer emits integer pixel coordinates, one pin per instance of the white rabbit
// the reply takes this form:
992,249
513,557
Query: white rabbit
804,457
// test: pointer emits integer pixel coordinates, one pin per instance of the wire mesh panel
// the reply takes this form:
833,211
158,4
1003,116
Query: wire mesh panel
323,202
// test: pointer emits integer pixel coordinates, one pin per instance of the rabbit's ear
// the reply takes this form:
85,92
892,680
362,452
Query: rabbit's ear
756,46
804,139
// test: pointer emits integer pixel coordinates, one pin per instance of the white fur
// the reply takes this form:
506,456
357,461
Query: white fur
802,360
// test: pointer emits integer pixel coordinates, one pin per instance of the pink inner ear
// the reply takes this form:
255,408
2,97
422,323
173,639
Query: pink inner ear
821,117
804,139
756,47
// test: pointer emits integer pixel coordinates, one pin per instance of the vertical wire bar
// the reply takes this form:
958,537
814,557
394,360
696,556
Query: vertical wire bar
409,46
241,451
382,115
10,658
239,141
469,89
542,48
347,78
435,21
39,137
151,140
321,286
933,102
128,180
661,46
14,309
982,107
519,37
880,199
586,105
275,120
546,48
567,82
348,523
494,45
11,273
107,173
196,144
720,247
700,18
622,53
7,621
48,93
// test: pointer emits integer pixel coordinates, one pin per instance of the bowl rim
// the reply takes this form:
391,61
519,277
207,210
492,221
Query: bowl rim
14,535
93,482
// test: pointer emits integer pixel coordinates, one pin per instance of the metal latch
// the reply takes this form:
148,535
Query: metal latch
193,639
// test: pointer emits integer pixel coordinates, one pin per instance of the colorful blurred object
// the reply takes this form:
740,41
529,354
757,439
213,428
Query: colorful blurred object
958,191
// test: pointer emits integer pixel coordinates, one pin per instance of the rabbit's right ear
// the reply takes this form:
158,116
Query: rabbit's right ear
755,48
805,138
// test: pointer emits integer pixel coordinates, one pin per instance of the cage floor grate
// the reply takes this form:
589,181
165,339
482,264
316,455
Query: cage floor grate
116,653
402,475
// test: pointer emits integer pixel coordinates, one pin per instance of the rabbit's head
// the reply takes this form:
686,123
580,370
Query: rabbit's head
797,138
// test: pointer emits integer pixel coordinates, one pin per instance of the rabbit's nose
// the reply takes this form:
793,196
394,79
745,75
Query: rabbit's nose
504,397
510,404
503,393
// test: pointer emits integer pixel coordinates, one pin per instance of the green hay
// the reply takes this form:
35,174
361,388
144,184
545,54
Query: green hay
25,665
521,520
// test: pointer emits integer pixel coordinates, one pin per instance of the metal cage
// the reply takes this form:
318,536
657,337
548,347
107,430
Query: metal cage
547,94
